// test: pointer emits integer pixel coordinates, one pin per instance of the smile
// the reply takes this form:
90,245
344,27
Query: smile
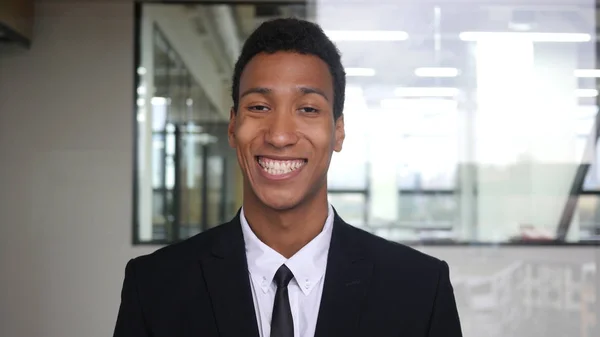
280,167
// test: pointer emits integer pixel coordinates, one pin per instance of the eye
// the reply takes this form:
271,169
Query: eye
258,108
309,110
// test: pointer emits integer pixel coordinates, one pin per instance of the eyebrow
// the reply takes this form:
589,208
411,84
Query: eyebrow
266,91
311,90
256,90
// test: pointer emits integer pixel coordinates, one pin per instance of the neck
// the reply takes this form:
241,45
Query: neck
287,231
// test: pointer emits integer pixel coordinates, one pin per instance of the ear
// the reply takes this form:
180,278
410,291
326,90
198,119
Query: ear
340,134
231,128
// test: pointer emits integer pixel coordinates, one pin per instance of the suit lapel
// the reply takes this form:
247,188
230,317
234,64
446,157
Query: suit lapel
346,279
226,276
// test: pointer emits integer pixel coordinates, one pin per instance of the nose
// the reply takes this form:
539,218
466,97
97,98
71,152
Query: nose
282,130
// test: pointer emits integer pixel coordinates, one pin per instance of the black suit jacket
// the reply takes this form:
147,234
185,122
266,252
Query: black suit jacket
201,288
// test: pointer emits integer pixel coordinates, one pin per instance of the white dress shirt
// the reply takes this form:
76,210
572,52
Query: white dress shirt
305,289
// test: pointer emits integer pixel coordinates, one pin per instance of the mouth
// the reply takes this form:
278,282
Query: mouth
280,166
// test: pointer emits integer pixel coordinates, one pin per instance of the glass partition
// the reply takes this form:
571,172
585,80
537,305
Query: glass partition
471,122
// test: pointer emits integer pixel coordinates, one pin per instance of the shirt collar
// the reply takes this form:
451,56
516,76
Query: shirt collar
308,264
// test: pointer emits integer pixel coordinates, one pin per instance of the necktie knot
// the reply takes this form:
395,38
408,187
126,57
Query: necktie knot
283,276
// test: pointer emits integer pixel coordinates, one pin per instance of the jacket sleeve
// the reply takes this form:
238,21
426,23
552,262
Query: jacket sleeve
130,319
444,321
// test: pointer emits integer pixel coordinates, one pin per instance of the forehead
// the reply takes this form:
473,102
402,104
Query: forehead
282,70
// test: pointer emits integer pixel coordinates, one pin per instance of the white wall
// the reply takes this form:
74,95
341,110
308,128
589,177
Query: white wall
66,166
66,114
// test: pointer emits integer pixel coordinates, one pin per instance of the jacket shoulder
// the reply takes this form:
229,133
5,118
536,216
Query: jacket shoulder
389,253
181,253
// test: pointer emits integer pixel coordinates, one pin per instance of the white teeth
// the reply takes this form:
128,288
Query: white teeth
277,167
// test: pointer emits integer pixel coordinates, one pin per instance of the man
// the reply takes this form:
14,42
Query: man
287,264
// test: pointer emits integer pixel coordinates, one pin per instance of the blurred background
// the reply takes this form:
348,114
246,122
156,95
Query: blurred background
472,133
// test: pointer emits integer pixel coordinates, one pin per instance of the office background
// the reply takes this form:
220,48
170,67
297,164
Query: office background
71,206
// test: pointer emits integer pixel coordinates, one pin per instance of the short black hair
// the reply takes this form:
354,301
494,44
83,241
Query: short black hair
298,36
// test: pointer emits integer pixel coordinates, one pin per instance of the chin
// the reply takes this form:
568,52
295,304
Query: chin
279,205
279,201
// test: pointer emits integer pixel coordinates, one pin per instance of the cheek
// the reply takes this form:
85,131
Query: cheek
246,134
323,141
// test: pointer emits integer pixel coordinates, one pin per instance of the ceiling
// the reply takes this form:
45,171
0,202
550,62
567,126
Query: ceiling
433,32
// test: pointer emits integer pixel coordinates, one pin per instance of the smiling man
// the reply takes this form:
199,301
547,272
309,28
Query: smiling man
287,265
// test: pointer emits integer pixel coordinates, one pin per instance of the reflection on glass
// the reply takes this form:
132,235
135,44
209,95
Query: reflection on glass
428,211
352,206
181,157
464,123
588,217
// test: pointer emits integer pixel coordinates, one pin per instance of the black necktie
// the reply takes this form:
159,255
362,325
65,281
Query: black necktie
282,323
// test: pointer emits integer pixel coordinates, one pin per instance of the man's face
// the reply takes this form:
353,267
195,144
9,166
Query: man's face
284,131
